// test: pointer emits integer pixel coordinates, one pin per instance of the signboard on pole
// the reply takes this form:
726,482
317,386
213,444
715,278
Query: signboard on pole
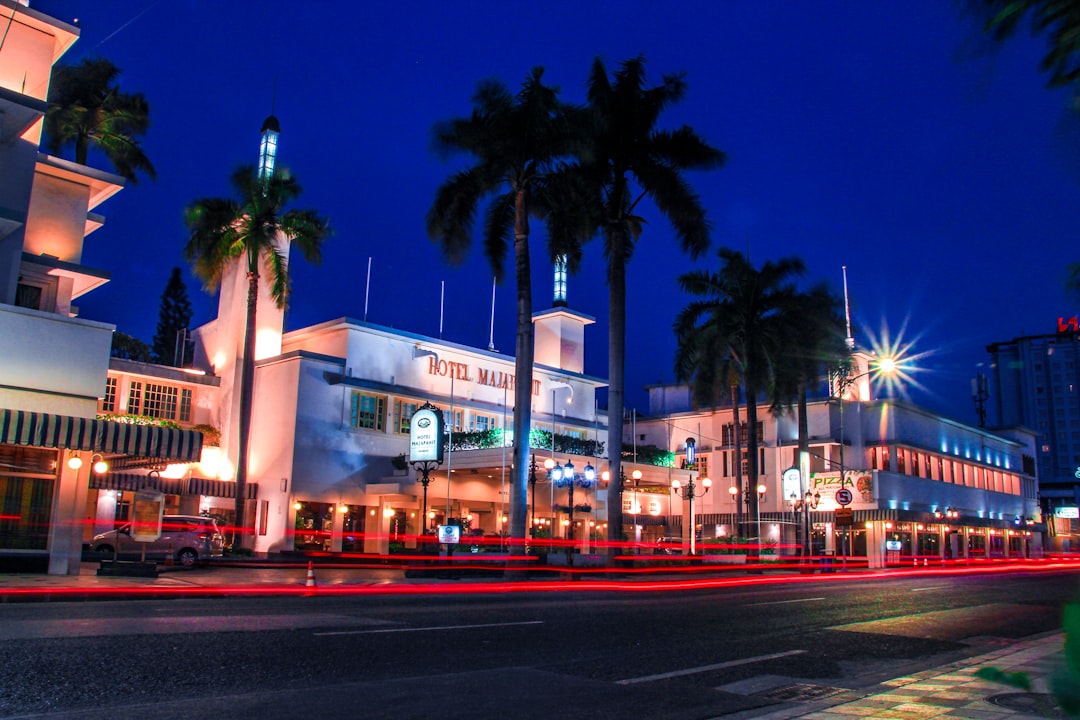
450,534
146,516
845,517
792,483
426,439
843,497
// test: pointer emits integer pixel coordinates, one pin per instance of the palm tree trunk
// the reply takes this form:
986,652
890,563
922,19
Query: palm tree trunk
616,387
752,457
523,377
247,383
738,460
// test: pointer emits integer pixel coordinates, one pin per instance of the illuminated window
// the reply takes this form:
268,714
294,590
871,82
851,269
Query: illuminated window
367,411
483,423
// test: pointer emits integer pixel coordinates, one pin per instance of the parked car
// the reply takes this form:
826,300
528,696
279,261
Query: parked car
189,538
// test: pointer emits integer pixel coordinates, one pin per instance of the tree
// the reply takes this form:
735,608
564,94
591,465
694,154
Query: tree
1058,20
625,160
87,108
736,329
516,141
174,317
129,348
255,227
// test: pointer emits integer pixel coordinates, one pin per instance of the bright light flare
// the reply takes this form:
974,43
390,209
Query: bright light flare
897,366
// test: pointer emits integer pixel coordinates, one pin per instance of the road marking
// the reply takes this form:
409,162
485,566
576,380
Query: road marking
936,587
709,668
429,629
784,602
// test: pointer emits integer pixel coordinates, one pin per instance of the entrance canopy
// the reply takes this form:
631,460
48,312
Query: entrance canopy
33,429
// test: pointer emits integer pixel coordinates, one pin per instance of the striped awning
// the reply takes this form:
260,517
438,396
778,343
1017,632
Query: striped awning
132,482
20,427
219,488
170,486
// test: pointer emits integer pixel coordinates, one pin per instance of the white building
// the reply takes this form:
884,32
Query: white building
923,486
52,363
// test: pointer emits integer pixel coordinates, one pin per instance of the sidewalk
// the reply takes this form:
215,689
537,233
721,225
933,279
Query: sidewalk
948,691
951,691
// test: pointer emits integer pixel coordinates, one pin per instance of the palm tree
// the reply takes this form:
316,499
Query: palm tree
254,229
517,141
738,326
88,109
1059,20
625,160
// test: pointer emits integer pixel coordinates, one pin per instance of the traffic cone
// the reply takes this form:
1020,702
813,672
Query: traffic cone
915,562
310,575
924,563
169,557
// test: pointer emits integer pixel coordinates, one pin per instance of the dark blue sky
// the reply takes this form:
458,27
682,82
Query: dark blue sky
885,137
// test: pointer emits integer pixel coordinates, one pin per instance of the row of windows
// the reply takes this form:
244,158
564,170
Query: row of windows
370,411
945,469
156,400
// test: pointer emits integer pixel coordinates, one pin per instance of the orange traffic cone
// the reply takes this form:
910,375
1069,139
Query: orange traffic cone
310,575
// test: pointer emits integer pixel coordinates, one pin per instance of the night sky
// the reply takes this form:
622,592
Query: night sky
890,138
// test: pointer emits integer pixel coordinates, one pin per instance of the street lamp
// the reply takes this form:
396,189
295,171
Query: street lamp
884,366
691,491
806,503
760,497
566,476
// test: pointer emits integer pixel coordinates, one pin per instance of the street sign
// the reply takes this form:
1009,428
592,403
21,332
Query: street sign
845,516
843,496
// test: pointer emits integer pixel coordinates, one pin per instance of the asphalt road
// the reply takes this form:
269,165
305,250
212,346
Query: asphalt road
678,654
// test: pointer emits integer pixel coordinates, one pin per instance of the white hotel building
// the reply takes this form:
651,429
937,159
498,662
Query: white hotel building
331,406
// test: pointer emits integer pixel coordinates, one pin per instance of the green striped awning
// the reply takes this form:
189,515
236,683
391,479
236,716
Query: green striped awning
20,427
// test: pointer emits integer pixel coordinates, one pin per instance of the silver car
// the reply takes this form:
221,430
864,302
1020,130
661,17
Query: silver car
187,538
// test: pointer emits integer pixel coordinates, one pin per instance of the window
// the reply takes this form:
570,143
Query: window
185,405
134,397
159,401
367,412
108,403
403,412
483,423
28,296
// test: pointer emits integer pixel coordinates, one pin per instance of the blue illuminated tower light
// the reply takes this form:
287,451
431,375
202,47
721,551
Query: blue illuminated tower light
268,147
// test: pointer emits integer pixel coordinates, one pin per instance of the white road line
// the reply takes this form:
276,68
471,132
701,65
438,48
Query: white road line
709,668
936,587
429,629
784,602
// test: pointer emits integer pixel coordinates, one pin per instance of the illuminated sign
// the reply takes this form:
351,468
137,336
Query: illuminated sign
1068,512
146,516
450,534
1070,325
483,376
426,437
894,545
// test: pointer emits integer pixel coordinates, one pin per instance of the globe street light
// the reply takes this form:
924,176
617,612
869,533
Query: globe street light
688,493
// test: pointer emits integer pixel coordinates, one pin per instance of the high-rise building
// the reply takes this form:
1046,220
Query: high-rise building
1035,383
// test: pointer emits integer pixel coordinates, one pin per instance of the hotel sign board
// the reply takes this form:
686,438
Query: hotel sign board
427,441
1068,512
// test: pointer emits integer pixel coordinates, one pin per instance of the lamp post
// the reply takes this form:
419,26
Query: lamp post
884,366
566,476
809,501
691,490
761,489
